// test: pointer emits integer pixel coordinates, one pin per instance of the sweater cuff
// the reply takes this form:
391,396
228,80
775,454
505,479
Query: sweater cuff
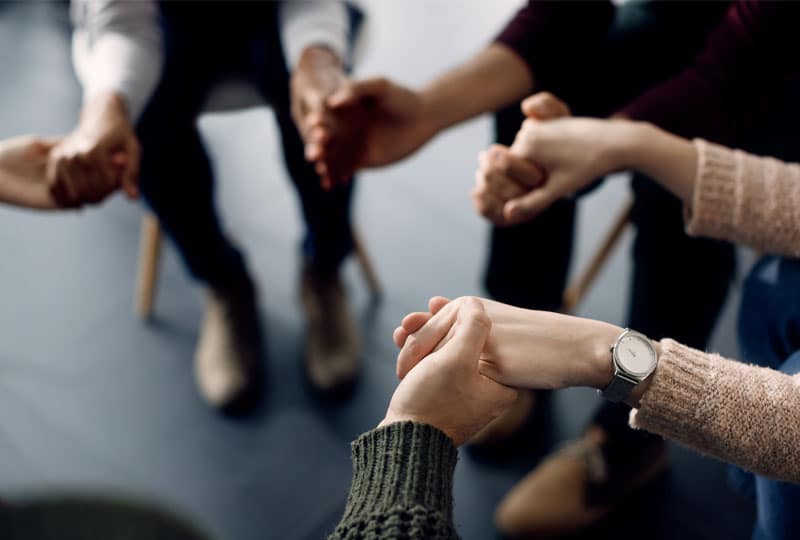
405,464
672,405
714,207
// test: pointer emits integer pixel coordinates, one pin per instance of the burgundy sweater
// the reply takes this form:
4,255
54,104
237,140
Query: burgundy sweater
746,58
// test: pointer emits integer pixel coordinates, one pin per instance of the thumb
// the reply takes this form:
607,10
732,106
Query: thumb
437,303
530,205
46,144
471,332
544,106
354,92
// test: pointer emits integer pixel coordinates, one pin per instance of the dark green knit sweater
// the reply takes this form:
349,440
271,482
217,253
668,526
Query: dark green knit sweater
402,485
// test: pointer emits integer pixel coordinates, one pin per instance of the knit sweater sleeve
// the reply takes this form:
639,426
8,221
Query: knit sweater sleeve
746,199
402,485
742,414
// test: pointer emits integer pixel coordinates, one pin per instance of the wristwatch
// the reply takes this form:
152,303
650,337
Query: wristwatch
634,359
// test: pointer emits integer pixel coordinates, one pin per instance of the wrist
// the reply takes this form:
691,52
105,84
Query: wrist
596,344
641,389
392,418
434,108
631,143
105,108
320,57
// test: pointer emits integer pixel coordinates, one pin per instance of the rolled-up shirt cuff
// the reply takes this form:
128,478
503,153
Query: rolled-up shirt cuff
307,23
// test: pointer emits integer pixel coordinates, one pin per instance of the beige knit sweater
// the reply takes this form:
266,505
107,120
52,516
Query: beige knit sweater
739,413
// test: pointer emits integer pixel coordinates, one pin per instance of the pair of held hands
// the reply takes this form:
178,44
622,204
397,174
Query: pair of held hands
84,167
376,122
461,362
102,154
346,126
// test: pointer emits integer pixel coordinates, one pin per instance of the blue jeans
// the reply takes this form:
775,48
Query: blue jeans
204,42
769,335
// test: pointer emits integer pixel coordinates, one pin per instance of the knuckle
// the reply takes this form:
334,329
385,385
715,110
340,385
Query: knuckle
503,164
547,96
412,345
529,125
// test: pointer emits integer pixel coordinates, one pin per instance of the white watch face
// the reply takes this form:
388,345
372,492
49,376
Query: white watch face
636,355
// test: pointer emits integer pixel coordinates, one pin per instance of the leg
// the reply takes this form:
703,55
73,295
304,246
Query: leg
768,327
176,178
177,183
777,502
648,43
332,359
769,317
328,238
663,285
528,263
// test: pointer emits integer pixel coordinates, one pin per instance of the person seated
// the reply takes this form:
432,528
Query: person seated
451,385
147,69
717,70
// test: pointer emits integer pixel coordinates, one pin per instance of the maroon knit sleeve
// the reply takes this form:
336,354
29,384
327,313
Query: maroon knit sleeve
730,81
546,31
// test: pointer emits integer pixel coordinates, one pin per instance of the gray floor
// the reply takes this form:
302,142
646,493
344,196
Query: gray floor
92,400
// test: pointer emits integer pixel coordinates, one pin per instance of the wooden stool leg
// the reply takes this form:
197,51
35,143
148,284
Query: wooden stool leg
576,291
367,268
149,254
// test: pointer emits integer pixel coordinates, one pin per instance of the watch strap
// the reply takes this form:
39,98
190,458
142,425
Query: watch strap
618,390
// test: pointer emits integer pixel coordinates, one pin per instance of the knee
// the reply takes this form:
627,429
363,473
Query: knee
759,325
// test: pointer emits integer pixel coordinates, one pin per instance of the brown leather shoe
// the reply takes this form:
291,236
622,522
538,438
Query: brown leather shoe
332,359
227,359
573,488
503,428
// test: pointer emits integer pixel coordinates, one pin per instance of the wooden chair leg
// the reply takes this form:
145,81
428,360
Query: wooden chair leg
149,255
367,268
577,290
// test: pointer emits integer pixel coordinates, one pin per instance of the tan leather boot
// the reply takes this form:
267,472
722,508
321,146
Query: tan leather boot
559,497
228,355
332,359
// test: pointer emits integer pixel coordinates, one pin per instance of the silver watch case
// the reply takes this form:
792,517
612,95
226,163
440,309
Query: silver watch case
625,380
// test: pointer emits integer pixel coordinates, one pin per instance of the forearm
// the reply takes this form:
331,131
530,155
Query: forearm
741,414
745,415
665,158
494,78
402,485
15,193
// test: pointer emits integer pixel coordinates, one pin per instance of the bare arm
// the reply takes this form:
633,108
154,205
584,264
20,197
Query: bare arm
494,78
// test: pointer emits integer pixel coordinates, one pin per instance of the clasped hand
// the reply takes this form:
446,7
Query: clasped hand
349,125
552,157
99,157
458,384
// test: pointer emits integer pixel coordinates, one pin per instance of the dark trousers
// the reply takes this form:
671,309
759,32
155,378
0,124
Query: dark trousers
528,263
204,42
769,335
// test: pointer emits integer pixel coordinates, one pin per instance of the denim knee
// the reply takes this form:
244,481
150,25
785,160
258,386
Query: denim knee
769,316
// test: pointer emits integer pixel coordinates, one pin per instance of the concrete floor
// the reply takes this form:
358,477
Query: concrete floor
91,400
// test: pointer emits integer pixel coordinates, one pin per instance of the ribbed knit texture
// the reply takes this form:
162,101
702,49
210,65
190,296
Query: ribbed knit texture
742,414
402,485
746,199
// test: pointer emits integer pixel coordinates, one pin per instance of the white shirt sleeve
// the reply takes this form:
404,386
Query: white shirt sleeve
117,46
313,22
